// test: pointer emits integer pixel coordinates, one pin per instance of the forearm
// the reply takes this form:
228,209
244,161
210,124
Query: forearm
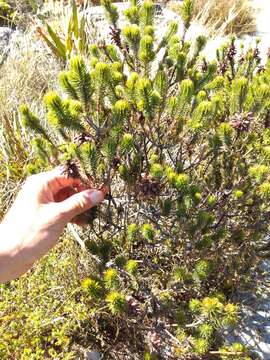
13,260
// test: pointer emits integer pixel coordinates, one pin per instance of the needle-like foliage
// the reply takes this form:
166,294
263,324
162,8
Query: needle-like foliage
183,147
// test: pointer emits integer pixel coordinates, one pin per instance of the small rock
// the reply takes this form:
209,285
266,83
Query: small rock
5,36
92,355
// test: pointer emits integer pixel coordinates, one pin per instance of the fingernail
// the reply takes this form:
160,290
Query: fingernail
96,196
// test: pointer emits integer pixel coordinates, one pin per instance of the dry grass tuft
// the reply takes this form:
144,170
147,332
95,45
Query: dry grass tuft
233,16
25,76
223,17
24,80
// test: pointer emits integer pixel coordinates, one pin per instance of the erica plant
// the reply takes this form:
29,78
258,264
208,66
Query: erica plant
183,145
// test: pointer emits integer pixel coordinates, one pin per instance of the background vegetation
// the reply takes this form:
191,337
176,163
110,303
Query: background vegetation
238,16
121,296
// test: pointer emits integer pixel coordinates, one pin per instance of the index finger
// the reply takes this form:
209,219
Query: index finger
58,178
54,179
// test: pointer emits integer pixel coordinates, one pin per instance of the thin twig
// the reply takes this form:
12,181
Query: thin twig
76,236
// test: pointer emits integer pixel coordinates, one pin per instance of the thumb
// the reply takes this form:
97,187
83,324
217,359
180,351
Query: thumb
80,202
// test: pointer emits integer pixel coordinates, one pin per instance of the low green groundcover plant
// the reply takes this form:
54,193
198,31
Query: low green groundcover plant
40,314
183,145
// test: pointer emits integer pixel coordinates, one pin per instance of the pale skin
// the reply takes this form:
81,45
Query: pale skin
37,218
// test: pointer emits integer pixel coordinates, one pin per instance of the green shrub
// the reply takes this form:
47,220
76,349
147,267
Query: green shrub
7,13
183,147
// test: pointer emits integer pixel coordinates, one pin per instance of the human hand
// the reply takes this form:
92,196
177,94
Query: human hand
45,204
